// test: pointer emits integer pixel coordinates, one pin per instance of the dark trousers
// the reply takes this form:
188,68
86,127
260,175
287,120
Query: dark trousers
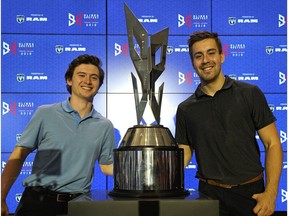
34,203
235,201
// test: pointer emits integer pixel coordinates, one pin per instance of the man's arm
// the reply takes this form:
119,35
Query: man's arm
273,165
187,153
10,173
107,169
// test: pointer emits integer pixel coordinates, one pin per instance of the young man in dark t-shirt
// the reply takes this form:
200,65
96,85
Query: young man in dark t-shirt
219,123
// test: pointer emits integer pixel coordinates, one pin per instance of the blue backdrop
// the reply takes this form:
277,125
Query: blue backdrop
41,38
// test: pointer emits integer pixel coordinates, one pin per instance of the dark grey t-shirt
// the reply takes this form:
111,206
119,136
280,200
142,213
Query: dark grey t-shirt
222,129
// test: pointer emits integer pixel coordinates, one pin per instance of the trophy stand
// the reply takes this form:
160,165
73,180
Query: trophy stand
148,162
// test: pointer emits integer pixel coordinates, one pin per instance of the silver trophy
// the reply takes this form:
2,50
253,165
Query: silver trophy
148,162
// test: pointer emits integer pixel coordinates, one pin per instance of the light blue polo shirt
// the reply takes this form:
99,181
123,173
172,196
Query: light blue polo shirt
67,147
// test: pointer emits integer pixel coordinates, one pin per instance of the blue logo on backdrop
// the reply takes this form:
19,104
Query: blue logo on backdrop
70,48
9,48
22,108
232,20
59,49
86,20
18,136
282,20
279,49
282,78
283,195
242,20
195,20
18,197
32,18
20,19
269,49
23,48
121,49
20,77
34,76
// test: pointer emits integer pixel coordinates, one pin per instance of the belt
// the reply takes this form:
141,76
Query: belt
59,197
215,183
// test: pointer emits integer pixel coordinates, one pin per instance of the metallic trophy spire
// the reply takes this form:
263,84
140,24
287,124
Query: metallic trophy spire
145,64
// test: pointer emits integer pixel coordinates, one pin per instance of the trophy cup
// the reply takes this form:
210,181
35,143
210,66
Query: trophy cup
148,162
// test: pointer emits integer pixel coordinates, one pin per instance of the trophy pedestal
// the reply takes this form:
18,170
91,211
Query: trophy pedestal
148,163
98,202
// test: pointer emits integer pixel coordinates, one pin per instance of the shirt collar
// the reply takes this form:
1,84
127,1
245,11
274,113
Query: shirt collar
227,84
68,108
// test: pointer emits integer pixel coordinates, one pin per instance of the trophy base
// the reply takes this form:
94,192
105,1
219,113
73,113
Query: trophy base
148,194
148,163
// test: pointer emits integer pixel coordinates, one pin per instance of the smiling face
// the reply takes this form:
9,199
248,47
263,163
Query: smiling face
207,60
85,82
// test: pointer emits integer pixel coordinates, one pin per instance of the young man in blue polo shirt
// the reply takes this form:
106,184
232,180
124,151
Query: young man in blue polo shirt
219,123
69,137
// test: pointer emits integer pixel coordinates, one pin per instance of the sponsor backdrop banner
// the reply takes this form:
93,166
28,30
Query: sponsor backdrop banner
59,17
249,17
182,17
40,40
37,63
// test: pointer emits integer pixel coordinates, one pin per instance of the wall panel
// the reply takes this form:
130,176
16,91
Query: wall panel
39,39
